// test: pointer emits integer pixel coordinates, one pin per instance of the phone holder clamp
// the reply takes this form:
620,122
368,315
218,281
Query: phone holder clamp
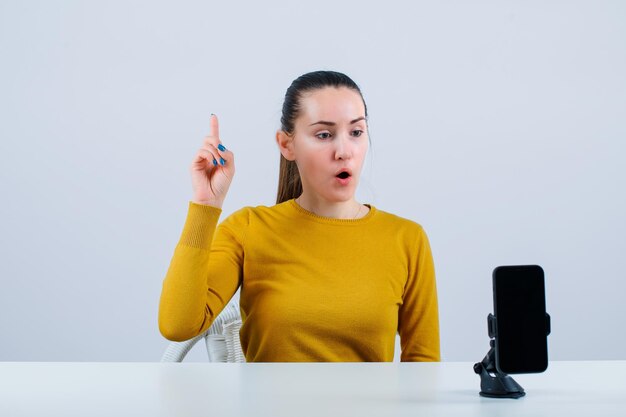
493,383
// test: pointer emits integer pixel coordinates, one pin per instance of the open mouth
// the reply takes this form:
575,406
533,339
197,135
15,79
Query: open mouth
343,175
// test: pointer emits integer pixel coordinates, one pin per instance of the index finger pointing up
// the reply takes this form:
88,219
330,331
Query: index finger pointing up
215,129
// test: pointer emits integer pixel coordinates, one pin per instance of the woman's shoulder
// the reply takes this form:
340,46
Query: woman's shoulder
407,230
399,221
244,213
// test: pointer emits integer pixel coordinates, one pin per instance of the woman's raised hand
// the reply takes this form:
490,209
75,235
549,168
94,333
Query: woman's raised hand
212,170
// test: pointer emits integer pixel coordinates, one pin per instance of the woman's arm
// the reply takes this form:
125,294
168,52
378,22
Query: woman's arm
204,273
418,319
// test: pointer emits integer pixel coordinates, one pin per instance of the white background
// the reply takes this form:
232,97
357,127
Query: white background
497,125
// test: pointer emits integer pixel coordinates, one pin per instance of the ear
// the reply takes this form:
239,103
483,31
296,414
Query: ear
285,145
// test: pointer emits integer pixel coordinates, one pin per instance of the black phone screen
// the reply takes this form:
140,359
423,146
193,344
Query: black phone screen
521,323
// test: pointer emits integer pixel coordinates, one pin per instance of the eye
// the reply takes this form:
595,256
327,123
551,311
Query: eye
323,133
359,131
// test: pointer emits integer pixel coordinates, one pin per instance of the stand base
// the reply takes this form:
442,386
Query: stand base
514,395
497,385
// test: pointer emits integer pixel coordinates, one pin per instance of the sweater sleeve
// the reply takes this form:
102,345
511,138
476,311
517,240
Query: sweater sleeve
204,272
418,319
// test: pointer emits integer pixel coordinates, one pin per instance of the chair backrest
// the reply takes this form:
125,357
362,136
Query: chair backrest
221,338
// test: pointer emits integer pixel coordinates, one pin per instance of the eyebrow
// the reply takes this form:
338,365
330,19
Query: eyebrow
322,122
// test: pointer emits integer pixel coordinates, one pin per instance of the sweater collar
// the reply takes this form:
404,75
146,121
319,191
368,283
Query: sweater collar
331,220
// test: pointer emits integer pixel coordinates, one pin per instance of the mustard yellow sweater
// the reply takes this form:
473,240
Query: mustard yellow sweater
313,288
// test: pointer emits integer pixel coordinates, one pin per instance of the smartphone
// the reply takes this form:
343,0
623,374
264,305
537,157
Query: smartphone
521,322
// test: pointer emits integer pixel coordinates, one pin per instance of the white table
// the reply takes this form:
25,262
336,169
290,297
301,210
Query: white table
301,389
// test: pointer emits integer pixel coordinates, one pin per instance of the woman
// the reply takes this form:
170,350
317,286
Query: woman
323,277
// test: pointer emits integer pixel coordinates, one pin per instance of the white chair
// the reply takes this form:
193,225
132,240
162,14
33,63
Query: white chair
221,338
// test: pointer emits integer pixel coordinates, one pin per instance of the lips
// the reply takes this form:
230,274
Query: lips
343,173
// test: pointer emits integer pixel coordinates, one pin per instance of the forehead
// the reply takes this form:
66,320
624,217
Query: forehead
331,104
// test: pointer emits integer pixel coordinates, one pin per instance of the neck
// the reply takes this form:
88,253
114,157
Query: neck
350,209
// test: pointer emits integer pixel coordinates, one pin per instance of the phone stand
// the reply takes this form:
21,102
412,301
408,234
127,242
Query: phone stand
493,383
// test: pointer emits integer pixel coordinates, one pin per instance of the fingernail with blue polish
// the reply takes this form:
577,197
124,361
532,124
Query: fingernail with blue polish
222,161
221,147
214,161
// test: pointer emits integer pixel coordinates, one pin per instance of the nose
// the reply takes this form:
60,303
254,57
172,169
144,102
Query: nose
343,147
